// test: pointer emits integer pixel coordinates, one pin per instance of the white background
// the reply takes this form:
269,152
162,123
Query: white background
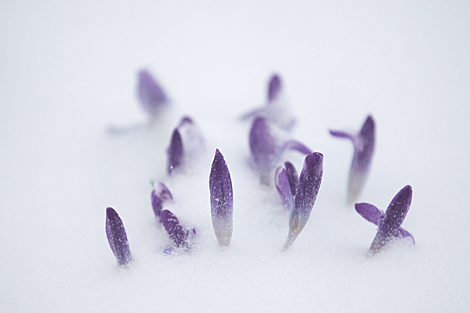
68,71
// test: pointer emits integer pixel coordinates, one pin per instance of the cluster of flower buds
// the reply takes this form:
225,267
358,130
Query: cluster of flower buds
298,192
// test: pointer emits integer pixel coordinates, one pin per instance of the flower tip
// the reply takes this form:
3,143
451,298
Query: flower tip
274,87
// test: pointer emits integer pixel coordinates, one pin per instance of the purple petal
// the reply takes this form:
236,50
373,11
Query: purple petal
283,187
175,152
364,143
369,212
394,216
172,226
117,237
160,195
292,176
221,195
309,185
263,148
274,88
295,145
151,95
404,234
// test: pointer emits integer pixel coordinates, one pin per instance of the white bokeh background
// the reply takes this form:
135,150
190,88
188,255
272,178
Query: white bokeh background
68,71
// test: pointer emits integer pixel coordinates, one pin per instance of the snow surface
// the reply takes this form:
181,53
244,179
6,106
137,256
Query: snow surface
68,72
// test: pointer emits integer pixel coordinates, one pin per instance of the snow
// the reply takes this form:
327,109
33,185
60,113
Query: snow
68,71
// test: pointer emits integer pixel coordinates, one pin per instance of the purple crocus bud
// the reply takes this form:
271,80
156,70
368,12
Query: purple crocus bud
283,187
151,95
117,237
186,142
274,88
307,191
276,108
160,194
292,176
265,149
220,185
390,225
364,143
175,151
172,226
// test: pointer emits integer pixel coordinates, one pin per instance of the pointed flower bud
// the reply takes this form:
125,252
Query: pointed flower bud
305,196
276,110
178,151
364,143
178,234
274,88
389,224
151,95
221,196
265,149
117,237
175,151
160,194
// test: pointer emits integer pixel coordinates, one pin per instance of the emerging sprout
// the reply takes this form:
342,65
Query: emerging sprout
221,196
117,237
389,223
305,195
364,143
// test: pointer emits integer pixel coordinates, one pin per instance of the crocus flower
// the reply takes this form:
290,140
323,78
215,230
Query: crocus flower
185,141
267,150
389,223
160,194
151,95
276,108
305,195
178,234
364,143
221,196
117,237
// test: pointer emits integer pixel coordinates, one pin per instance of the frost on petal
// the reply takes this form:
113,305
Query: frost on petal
117,237
263,148
274,88
369,212
283,187
364,143
292,176
396,212
160,194
175,152
221,196
151,95
307,191
177,233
